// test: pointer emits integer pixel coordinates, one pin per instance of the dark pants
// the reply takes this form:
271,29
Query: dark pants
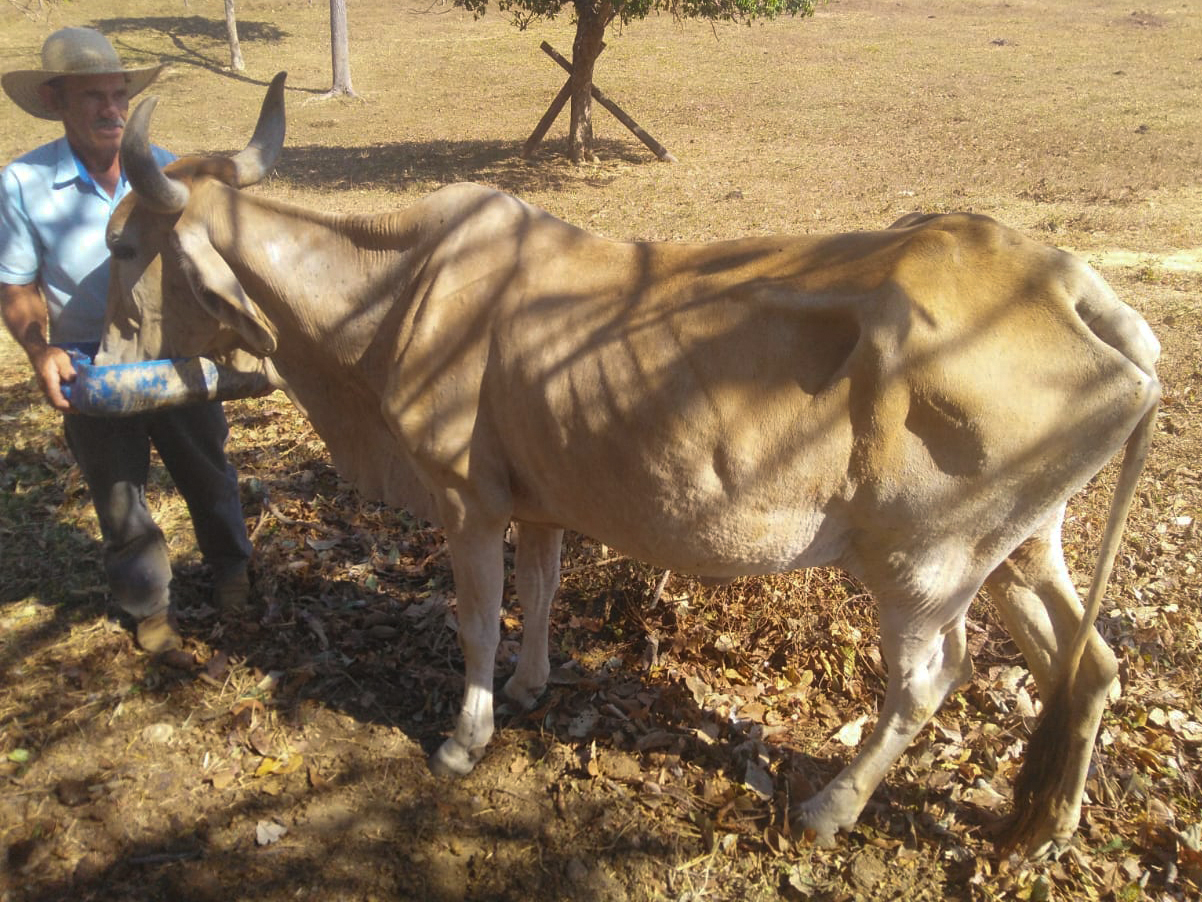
114,455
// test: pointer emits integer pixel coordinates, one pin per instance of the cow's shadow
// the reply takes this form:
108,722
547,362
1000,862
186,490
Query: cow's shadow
375,636
360,648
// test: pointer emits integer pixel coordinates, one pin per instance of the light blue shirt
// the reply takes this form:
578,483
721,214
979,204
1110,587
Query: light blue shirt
52,222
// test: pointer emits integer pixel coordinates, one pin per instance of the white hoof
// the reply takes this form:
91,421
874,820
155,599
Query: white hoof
814,821
1048,850
453,760
804,832
525,698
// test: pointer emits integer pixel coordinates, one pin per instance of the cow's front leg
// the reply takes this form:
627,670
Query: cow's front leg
537,578
477,562
926,662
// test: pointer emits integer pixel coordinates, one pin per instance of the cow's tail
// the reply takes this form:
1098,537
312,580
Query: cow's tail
1048,752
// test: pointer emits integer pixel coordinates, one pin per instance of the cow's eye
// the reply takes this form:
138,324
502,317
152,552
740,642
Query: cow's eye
123,252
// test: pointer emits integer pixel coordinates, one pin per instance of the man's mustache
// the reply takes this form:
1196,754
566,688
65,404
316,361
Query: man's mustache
110,123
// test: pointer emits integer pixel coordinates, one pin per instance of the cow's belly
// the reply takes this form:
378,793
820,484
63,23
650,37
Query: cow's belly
729,547
696,522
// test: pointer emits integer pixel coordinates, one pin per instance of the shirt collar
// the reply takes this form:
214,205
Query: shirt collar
70,168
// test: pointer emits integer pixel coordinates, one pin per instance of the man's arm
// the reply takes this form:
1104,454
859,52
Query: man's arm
24,312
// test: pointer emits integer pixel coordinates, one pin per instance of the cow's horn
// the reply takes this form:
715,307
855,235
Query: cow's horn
264,148
153,187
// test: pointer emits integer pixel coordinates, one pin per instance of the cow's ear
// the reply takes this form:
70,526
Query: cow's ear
219,292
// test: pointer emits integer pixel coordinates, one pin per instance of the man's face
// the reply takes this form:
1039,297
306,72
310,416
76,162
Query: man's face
93,108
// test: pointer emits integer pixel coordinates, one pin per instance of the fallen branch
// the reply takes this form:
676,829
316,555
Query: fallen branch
270,508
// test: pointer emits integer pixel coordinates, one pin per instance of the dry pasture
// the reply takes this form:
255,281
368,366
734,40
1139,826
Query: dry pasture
291,765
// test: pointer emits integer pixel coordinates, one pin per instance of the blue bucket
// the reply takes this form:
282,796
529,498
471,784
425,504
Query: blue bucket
126,389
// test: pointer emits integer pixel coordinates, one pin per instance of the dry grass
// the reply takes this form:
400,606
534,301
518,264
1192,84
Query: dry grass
637,778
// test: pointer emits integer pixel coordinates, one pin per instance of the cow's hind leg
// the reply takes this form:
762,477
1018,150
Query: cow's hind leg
1042,611
537,576
925,650
478,564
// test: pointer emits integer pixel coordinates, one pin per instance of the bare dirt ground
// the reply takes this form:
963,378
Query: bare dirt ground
291,764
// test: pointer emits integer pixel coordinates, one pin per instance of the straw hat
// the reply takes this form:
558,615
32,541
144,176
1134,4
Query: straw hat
72,51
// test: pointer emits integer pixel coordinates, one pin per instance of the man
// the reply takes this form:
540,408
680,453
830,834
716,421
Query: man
54,205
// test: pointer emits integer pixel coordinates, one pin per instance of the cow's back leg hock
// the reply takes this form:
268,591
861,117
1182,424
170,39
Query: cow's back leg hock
477,561
537,578
1035,596
927,656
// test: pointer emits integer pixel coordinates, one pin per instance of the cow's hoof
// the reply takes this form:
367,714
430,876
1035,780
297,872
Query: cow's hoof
1043,841
523,697
158,634
1048,850
816,838
808,823
453,760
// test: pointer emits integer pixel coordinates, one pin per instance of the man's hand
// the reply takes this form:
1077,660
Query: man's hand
24,313
53,368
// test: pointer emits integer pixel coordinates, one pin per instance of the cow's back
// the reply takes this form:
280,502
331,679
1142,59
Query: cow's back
780,397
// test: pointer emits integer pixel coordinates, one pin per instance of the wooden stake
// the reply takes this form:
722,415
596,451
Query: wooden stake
540,130
553,111
562,98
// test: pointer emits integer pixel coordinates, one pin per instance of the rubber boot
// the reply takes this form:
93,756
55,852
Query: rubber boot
231,594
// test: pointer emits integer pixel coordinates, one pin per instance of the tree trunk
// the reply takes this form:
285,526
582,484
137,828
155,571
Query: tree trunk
592,17
338,49
231,27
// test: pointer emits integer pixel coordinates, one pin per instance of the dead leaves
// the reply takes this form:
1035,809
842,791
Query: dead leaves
851,732
752,696
744,690
279,766
257,748
268,832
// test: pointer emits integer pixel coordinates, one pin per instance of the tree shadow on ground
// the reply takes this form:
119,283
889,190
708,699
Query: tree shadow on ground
199,41
365,817
365,691
34,485
203,43
406,164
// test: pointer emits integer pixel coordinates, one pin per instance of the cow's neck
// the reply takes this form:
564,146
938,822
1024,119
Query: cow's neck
328,283
337,294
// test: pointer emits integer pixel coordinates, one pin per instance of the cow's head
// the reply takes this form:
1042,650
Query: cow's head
171,294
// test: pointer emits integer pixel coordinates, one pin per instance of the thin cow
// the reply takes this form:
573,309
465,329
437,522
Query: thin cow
915,405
